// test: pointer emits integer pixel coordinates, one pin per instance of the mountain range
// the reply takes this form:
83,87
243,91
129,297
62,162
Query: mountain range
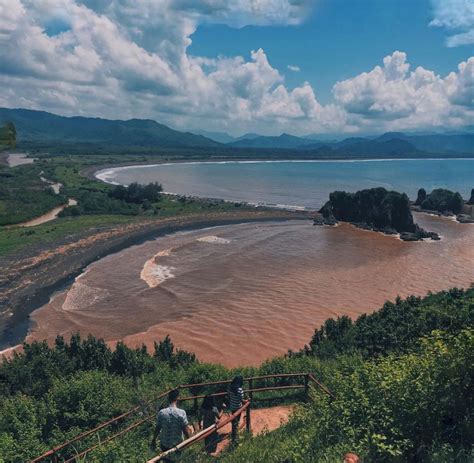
430,143
39,129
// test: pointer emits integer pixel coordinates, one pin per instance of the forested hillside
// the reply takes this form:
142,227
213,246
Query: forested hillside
402,377
43,128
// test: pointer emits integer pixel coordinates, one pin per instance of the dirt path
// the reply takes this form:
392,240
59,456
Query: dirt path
50,215
262,420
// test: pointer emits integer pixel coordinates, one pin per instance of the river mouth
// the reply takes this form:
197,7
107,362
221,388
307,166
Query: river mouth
240,294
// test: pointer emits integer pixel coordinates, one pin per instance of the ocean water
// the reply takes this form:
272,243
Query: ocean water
240,294
298,183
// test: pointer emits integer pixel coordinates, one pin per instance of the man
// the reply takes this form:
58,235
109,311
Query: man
171,424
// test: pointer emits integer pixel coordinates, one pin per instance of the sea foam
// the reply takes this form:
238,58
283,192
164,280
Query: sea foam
153,274
213,240
81,295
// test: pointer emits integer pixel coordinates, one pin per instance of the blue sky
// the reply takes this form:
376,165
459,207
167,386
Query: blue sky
340,39
266,66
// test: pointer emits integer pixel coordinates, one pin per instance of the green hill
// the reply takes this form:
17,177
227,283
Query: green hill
42,127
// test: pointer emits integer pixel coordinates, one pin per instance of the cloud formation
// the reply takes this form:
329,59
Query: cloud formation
293,68
398,98
130,59
457,16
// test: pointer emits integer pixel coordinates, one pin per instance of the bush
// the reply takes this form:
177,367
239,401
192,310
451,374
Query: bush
136,193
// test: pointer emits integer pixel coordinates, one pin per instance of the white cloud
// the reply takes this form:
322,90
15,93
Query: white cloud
457,16
293,68
393,97
130,59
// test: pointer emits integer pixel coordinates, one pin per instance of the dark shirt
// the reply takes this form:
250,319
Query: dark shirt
209,417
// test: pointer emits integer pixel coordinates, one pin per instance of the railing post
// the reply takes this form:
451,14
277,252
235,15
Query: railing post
306,384
247,419
196,405
55,458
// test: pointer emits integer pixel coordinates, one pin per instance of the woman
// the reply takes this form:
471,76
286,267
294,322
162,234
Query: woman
209,415
236,400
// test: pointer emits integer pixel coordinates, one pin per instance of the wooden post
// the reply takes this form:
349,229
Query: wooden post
247,419
196,405
55,458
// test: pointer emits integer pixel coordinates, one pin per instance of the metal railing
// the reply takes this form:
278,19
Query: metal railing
64,454
198,437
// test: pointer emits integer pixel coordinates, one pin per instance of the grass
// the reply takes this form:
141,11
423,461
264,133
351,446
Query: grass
15,239
37,199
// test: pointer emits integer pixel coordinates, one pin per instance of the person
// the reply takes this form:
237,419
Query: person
351,458
171,424
209,415
236,400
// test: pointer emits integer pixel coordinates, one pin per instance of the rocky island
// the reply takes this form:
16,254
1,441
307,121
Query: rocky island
375,209
446,203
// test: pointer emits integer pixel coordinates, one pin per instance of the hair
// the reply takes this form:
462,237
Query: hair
208,403
173,395
351,457
237,382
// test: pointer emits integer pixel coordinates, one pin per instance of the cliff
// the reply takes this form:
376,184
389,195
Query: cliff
445,202
375,209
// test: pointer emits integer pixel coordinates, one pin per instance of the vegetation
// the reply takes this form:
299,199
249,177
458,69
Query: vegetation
375,209
8,135
23,195
393,328
410,408
46,131
441,200
41,126
403,380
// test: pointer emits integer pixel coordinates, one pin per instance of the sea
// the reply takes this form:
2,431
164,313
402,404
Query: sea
298,184
241,294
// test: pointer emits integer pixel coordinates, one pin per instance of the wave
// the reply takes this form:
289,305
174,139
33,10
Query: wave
154,274
81,296
213,239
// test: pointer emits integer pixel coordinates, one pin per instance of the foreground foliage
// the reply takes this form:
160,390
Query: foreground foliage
403,379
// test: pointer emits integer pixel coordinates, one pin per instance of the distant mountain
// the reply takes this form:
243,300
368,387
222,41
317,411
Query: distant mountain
248,136
435,143
220,137
284,141
394,147
393,143
43,127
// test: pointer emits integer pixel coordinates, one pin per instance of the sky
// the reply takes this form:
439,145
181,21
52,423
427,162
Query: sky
265,66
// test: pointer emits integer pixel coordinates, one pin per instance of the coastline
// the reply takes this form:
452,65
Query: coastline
91,171
33,277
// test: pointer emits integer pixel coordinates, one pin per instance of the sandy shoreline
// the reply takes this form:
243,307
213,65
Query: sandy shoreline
31,279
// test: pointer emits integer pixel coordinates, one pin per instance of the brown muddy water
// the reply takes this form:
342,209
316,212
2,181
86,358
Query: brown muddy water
240,294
